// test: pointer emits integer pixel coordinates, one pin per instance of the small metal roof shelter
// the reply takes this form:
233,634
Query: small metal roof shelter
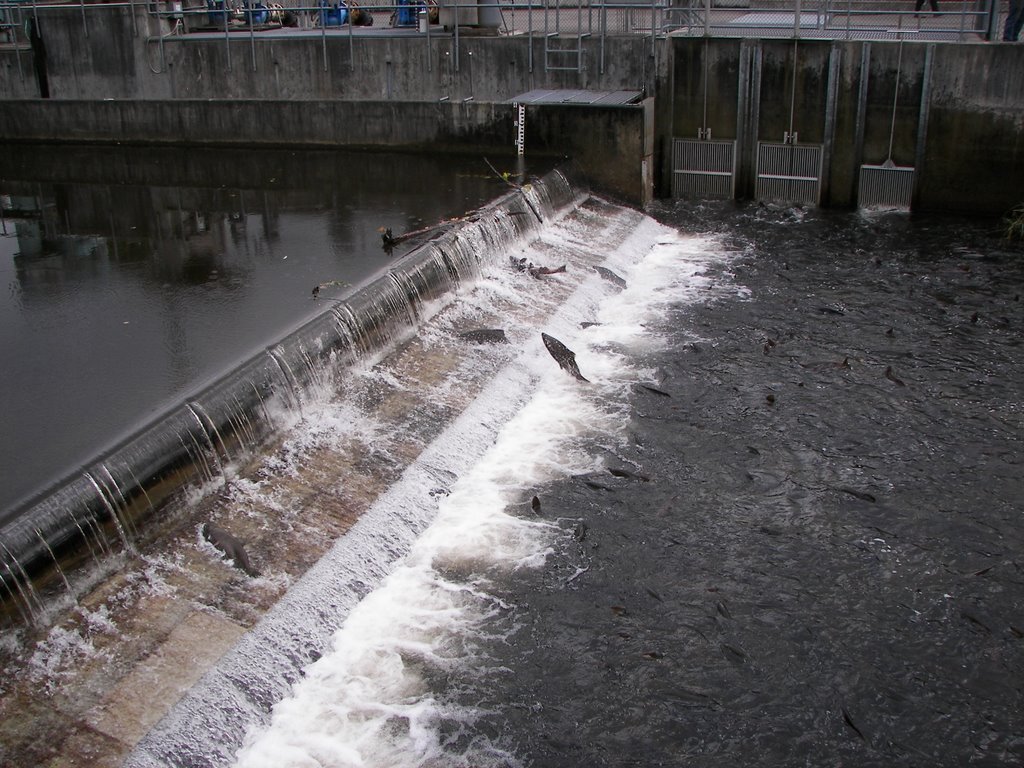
578,97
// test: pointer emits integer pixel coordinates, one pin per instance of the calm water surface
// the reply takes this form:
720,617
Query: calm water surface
131,278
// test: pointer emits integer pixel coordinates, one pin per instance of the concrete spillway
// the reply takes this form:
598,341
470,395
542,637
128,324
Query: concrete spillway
126,496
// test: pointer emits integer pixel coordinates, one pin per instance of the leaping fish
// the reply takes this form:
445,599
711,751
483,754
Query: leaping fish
564,356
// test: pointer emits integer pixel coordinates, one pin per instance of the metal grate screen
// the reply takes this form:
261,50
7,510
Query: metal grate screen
703,170
885,186
788,173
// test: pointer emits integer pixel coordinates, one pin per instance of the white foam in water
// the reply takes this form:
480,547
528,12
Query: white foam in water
367,701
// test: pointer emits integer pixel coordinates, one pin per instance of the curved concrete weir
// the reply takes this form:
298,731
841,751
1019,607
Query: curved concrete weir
124,498
172,654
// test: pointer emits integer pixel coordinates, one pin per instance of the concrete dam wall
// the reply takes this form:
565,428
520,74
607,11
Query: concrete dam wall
947,114
942,119
135,491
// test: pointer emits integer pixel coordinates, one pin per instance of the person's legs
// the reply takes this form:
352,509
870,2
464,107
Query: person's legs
1017,13
1014,21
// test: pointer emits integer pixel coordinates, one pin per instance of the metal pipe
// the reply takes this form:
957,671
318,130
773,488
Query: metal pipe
704,119
252,35
654,26
163,54
323,36
351,42
529,23
895,99
17,47
792,99
227,39
860,123
430,62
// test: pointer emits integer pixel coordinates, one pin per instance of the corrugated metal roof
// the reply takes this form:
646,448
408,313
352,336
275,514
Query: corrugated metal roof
579,97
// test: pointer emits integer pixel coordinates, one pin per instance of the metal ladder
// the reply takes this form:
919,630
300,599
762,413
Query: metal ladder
565,52
558,57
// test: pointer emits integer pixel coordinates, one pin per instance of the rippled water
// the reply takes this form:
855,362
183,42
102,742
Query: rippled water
780,525
132,277
815,558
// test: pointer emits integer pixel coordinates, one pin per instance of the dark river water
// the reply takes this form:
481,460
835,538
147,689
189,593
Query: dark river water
778,525
132,277
817,556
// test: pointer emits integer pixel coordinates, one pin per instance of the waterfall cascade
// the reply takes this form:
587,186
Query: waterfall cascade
127,495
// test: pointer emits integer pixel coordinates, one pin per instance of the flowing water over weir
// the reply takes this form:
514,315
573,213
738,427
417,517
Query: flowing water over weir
442,517
776,524
122,495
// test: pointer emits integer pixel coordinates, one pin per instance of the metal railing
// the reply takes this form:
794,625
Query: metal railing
565,25
796,18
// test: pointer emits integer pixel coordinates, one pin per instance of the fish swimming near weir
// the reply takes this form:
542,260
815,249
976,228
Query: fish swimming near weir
485,336
539,272
610,276
891,376
230,546
564,356
536,271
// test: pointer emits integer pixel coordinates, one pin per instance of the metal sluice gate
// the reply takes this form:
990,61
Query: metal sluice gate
889,185
703,169
789,173
886,186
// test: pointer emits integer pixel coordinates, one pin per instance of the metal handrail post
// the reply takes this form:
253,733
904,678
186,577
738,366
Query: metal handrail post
529,23
707,18
252,36
323,35
455,58
430,63
796,19
351,42
163,53
17,47
227,38
654,26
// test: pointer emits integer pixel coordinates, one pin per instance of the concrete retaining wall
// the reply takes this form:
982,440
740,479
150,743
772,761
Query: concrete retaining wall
613,144
120,56
959,108
248,121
